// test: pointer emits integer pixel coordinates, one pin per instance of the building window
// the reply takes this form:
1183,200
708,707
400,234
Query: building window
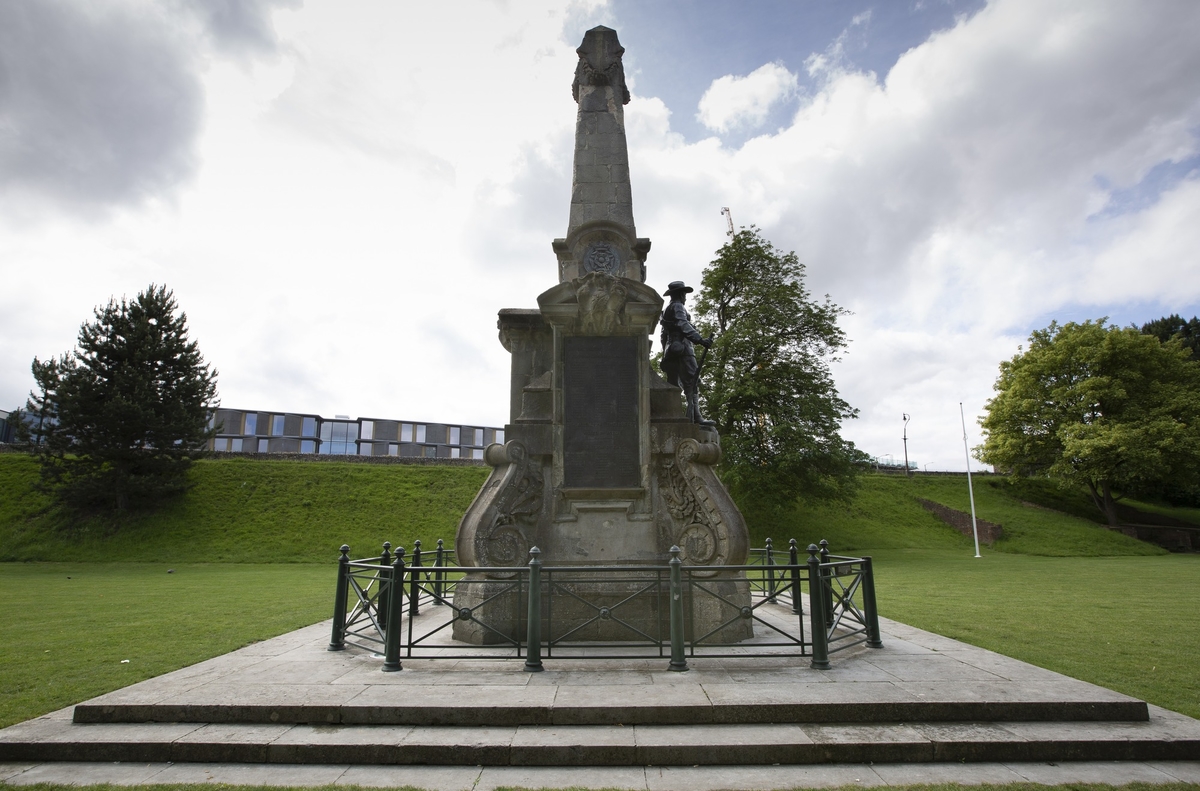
454,435
365,449
251,424
499,436
339,438
368,429
235,444
277,426
478,437
455,453
308,446
420,433
393,449
221,444
406,432
428,451
477,453
309,427
263,445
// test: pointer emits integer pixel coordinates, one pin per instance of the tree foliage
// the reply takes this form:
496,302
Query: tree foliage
1109,408
1174,326
767,382
117,421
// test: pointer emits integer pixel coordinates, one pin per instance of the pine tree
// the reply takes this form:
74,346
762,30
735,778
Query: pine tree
119,420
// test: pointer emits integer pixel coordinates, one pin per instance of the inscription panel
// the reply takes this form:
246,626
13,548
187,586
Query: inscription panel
600,412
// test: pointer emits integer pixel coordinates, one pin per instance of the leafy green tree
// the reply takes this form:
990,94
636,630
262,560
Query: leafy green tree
118,421
1105,407
766,381
1174,326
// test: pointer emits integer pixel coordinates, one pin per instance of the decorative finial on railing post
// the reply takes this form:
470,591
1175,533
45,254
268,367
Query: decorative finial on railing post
533,621
678,658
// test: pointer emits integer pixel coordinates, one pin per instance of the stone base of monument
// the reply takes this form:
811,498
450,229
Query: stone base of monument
585,607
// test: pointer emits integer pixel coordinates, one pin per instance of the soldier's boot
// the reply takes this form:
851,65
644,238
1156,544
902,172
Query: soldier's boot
693,409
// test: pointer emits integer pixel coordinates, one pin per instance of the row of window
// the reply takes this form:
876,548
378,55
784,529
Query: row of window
248,432
252,445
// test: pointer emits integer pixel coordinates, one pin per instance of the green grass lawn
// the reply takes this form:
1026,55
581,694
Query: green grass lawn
1126,623
68,626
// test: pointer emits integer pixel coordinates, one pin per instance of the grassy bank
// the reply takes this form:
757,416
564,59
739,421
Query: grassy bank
887,514
257,511
248,511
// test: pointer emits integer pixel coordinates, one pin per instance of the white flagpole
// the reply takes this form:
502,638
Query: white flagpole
970,489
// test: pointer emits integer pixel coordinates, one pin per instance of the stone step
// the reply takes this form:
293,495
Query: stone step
521,706
1164,736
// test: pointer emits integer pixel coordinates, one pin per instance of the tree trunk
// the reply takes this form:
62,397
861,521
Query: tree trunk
1110,505
1103,500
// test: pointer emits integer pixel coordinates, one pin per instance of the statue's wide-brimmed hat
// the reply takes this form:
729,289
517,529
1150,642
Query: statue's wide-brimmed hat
676,287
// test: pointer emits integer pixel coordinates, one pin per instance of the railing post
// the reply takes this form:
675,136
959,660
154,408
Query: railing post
381,608
337,641
770,572
439,562
827,591
395,605
794,571
533,623
678,660
816,611
414,574
874,639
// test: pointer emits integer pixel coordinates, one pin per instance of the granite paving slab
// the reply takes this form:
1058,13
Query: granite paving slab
916,676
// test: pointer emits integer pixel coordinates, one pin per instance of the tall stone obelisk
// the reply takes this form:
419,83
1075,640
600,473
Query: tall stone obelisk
602,466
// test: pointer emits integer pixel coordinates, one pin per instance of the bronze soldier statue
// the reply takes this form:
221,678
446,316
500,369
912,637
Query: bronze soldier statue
679,360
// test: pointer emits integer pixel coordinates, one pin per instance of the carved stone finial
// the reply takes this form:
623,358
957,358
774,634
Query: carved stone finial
600,62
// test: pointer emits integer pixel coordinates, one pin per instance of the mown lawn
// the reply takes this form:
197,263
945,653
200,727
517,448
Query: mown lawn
68,626
1126,623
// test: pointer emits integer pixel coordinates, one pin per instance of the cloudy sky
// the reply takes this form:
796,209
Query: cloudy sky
342,193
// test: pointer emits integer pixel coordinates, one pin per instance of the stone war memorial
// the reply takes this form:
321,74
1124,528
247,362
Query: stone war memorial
603,465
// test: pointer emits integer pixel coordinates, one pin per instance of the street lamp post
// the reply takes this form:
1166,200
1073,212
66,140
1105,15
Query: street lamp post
907,471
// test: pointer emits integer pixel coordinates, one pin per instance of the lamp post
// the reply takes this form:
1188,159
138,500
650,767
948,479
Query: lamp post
907,471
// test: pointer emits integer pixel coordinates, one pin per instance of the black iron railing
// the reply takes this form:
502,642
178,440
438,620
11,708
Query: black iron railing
406,608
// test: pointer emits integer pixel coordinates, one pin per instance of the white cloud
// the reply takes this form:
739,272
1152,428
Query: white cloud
363,205
732,102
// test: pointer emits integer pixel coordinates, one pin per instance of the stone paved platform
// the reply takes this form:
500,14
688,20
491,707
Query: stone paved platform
922,698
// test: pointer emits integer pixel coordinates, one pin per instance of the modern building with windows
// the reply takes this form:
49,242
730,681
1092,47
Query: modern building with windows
242,431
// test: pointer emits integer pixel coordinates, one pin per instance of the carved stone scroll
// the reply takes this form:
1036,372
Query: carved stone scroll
504,541
702,533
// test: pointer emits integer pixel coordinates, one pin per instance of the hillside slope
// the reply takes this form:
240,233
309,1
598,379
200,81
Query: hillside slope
271,511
